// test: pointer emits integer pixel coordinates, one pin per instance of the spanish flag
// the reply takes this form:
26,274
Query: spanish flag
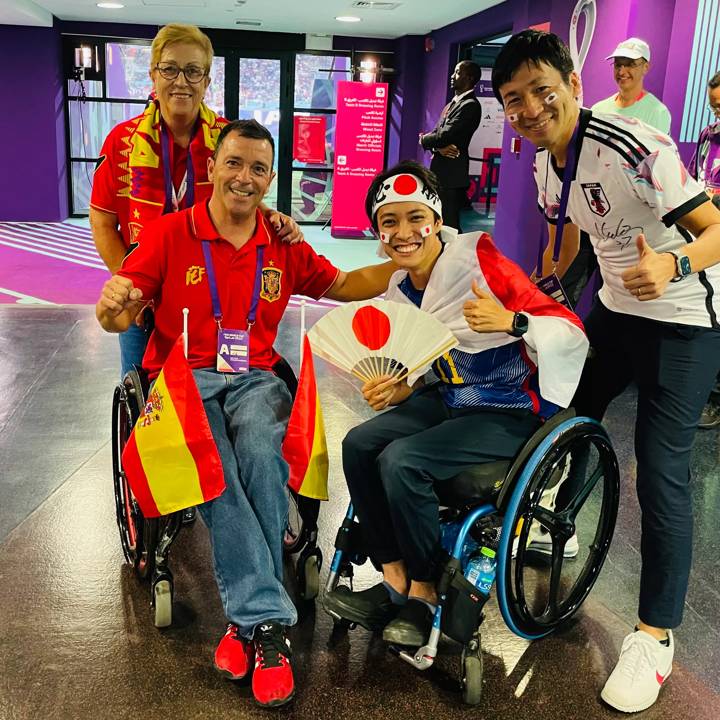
305,447
170,460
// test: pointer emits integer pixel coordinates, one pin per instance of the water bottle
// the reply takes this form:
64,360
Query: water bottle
481,570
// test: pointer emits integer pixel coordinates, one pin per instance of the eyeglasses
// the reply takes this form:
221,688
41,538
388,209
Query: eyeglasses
617,64
193,74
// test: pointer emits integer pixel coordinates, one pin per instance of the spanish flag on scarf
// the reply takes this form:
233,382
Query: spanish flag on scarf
171,461
305,447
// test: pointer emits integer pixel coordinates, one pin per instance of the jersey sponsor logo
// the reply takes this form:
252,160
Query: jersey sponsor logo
271,287
194,275
596,198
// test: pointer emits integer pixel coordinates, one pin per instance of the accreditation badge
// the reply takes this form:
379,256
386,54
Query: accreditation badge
552,286
233,351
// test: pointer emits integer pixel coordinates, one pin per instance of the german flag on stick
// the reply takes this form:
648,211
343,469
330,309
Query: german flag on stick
171,461
305,447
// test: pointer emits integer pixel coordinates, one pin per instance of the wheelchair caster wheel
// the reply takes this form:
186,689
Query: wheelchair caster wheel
162,603
342,625
472,675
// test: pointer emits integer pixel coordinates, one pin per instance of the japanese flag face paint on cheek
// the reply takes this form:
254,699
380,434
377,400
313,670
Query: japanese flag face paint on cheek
384,237
425,231
551,98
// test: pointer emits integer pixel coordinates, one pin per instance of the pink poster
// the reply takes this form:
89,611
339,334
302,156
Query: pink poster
359,153
309,139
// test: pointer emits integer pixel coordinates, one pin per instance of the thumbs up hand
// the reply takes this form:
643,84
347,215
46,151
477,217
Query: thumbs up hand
485,314
650,277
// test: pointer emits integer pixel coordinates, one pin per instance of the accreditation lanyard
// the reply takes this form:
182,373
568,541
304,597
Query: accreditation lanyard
186,190
551,284
233,346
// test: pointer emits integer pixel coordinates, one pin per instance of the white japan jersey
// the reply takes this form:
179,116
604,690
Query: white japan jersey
631,180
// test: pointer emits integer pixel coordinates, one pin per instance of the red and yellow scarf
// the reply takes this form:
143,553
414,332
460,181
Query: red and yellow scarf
145,183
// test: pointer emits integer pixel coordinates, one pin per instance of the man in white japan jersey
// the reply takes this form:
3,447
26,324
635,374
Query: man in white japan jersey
657,239
519,357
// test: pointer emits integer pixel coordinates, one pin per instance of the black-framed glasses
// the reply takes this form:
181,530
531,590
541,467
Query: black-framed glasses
193,73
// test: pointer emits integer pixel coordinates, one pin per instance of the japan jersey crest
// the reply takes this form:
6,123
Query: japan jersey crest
596,198
271,288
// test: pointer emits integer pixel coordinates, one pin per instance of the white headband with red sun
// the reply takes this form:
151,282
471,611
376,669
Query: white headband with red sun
405,188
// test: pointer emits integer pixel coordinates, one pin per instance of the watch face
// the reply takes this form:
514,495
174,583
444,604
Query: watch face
684,265
520,324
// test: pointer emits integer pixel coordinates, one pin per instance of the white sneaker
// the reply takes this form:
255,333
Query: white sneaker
641,670
539,541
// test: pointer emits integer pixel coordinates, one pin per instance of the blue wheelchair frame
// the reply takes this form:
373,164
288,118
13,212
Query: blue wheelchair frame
424,656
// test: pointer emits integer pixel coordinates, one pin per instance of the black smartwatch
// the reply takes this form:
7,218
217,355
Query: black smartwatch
682,266
520,325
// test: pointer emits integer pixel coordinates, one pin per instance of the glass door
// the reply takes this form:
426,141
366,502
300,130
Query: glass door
259,99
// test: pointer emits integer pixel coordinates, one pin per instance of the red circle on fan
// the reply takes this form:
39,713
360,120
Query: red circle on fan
405,185
371,327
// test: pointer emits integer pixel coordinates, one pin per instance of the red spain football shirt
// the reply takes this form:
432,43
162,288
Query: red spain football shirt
168,265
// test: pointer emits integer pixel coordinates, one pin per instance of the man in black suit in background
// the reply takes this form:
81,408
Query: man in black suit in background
450,138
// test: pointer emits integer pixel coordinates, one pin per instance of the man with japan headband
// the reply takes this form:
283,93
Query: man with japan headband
519,358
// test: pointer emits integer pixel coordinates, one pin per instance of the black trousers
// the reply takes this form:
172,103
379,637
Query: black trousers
674,367
453,200
392,461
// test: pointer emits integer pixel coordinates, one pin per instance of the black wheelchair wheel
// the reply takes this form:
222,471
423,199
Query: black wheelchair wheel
302,522
563,511
137,533
471,666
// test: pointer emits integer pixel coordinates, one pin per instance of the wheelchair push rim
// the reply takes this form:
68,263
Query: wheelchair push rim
555,455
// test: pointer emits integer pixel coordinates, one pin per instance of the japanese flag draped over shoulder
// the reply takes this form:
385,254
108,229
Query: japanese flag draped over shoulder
171,461
555,341
305,446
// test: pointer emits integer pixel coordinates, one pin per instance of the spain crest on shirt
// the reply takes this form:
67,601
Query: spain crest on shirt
271,287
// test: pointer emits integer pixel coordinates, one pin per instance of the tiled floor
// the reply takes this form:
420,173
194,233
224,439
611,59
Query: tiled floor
76,636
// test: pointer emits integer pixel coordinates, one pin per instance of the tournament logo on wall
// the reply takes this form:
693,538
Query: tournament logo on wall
588,10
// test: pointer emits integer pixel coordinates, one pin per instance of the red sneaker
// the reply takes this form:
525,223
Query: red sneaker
234,654
272,682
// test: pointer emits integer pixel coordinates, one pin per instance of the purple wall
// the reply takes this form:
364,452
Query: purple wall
668,27
33,177
680,50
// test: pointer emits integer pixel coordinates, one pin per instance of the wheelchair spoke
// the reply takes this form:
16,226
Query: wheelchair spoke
574,506
550,614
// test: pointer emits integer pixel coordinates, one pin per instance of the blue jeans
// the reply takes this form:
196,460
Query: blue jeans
248,415
132,348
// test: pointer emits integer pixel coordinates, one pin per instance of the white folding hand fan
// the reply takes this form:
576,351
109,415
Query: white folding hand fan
375,338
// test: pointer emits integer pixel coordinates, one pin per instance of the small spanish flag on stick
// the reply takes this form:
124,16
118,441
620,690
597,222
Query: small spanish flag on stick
305,447
171,461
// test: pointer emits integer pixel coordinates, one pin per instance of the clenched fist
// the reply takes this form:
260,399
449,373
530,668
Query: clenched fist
118,295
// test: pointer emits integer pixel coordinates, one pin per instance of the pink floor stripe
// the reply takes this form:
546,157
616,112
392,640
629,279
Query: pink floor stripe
48,278
59,280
